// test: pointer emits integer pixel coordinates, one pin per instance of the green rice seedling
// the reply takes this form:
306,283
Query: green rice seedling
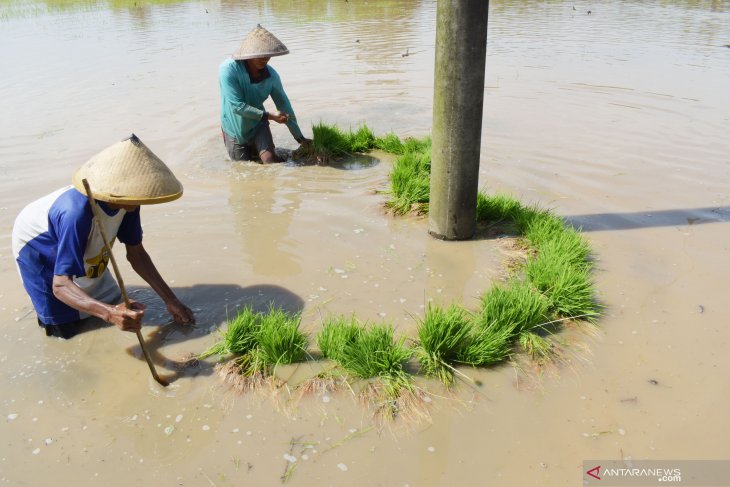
336,333
443,334
362,140
569,247
539,226
569,289
391,143
410,184
422,146
239,337
376,356
490,344
497,208
375,353
517,304
539,348
506,312
279,339
330,143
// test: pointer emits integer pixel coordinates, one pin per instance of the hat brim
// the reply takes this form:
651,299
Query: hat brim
242,57
121,199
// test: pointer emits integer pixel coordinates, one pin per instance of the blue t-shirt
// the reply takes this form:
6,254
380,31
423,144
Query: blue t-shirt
57,235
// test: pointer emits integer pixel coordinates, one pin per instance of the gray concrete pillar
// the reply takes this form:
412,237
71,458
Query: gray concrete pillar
461,49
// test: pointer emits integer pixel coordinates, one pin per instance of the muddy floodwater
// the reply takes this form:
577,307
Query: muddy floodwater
614,114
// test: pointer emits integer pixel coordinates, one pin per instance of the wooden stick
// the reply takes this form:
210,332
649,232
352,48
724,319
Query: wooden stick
95,210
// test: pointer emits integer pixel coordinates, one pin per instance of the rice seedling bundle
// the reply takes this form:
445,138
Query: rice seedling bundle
239,337
443,335
336,334
279,339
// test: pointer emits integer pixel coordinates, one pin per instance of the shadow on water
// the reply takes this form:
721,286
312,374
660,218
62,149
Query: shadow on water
212,305
600,222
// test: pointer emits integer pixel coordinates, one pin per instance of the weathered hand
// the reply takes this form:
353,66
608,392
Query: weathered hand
279,117
305,142
180,313
127,318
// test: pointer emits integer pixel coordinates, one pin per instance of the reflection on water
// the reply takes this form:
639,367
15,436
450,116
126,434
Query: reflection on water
616,119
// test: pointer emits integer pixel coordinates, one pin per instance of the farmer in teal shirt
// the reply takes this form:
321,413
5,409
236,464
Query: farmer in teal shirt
246,82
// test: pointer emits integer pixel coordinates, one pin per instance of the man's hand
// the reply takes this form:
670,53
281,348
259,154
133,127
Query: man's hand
279,117
180,313
127,319
305,142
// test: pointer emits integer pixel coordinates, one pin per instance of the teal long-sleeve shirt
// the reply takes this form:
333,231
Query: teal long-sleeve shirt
242,102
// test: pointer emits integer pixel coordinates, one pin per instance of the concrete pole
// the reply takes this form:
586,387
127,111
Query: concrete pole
461,49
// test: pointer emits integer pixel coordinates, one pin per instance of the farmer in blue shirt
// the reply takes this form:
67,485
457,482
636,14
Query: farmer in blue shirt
60,252
246,81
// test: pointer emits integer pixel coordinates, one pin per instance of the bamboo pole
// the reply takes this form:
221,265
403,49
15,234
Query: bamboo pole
95,210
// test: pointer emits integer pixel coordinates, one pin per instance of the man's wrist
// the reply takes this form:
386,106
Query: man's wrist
265,116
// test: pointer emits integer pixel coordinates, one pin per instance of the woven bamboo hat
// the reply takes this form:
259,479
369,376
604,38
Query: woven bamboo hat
128,173
260,43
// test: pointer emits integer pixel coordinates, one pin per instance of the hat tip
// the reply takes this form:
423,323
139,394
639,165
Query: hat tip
134,140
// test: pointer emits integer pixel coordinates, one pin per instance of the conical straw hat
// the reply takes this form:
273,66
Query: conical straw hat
260,43
128,173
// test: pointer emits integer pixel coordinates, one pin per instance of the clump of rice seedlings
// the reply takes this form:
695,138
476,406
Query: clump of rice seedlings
375,353
279,340
261,342
336,334
239,337
539,226
410,181
506,312
330,143
372,355
443,335
391,143
361,140
497,208
569,289
516,304
489,345
542,350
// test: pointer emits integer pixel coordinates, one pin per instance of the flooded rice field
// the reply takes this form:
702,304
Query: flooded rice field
613,114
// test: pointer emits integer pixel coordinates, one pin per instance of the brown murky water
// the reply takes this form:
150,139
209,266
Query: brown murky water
617,120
